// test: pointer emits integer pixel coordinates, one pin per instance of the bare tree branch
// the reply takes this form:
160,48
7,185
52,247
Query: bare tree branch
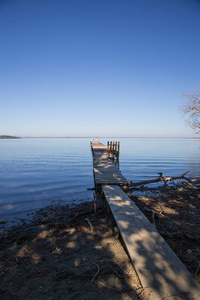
160,178
192,109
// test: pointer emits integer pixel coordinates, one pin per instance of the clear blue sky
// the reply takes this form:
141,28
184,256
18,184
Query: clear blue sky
97,67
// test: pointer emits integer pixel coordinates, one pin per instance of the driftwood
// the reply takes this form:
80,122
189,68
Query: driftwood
90,225
160,178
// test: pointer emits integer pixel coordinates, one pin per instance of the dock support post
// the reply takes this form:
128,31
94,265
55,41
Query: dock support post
108,149
113,145
118,150
113,149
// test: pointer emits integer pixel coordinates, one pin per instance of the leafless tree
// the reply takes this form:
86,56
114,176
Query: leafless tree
191,109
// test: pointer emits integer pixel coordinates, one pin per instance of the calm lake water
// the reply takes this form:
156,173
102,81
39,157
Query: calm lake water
39,172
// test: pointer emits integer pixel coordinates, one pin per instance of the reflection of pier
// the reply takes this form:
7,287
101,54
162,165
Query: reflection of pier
160,271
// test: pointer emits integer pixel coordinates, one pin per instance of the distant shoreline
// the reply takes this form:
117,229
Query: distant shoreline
8,137
89,137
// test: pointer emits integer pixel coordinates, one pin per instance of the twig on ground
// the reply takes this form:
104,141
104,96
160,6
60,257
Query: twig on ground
101,210
117,274
96,272
98,282
153,217
119,267
90,225
197,269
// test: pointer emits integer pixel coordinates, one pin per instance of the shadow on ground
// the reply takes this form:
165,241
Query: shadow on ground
58,255
175,212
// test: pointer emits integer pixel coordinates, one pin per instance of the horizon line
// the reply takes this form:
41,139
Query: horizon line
100,137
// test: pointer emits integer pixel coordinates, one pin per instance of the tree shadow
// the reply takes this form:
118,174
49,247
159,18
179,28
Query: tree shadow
158,267
175,211
58,256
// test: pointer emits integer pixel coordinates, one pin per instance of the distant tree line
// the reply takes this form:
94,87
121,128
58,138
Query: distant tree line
8,137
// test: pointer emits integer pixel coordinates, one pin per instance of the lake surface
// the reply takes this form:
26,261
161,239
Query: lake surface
38,172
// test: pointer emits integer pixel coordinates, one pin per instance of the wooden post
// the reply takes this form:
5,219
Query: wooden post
118,150
115,149
108,147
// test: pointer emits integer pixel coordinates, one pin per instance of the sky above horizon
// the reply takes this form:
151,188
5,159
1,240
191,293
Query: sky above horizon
97,68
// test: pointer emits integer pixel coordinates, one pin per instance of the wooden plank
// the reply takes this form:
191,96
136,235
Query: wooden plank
110,179
159,269
102,161
109,182
108,170
110,176
114,177
98,146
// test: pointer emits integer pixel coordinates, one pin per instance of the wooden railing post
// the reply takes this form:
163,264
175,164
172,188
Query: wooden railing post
118,150
110,149
113,149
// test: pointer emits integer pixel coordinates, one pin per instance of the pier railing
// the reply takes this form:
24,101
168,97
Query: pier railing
113,149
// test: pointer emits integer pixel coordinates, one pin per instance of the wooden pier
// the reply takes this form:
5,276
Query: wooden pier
105,172
160,271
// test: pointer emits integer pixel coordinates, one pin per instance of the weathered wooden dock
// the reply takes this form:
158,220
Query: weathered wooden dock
160,271
105,172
